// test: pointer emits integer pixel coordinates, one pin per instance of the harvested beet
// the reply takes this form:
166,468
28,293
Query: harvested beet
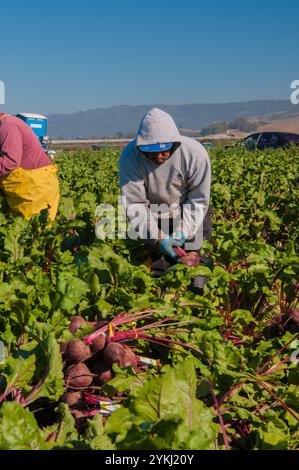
104,377
77,351
75,324
103,372
192,259
71,398
78,376
129,359
98,344
114,353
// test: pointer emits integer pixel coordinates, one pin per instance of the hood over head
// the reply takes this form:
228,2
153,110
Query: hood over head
157,127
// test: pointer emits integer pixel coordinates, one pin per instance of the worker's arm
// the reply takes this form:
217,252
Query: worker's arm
196,203
135,201
11,148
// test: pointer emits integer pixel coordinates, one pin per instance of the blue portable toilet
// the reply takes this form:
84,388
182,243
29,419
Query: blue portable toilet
38,124
207,145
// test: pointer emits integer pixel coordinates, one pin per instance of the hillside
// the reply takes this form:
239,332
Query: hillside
289,125
124,119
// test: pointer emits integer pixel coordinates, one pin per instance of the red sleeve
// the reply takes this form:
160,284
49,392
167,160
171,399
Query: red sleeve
11,148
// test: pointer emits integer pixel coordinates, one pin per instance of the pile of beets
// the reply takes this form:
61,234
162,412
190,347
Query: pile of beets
89,366
88,362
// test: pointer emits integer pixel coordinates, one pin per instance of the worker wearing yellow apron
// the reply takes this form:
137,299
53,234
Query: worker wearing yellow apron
28,178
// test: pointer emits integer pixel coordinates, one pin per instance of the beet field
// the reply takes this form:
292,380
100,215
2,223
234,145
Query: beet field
96,353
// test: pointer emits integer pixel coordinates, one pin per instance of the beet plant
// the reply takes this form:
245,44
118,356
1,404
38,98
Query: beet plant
95,346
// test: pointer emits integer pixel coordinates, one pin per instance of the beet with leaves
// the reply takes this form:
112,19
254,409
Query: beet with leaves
114,353
77,351
78,376
75,323
98,344
129,359
72,398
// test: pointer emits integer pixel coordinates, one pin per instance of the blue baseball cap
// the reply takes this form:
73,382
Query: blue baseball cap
156,147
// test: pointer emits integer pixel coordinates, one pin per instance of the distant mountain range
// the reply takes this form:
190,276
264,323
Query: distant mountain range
107,122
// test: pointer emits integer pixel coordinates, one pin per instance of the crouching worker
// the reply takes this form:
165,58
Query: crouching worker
165,181
27,176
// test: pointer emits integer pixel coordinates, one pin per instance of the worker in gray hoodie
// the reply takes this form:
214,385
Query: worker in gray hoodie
165,181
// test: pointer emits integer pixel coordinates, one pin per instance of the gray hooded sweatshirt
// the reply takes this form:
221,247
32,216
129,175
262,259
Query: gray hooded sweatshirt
177,189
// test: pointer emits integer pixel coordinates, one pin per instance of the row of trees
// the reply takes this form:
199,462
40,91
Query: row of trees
240,124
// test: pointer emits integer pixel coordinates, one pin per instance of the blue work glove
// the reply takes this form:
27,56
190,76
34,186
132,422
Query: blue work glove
168,244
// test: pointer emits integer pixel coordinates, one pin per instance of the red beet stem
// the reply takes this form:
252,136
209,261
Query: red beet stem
220,418
94,399
115,322
180,252
180,343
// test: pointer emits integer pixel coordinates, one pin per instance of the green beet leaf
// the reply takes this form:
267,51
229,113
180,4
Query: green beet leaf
48,377
170,397
69,292
19,429
95,436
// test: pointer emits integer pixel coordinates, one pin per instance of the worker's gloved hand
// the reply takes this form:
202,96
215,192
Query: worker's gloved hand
168,244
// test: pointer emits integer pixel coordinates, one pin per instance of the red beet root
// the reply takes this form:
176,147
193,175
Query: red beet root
71,398
78,376
192,259
98,344
77,351
114,353
104,377
129,359
103,373
76,322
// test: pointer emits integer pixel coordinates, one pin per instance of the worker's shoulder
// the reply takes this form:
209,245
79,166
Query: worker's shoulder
191,144
9,121
129,153
193,147
8,124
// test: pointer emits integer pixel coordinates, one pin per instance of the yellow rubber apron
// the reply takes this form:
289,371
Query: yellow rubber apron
29,191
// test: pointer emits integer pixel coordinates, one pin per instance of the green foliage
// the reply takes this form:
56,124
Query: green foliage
165,414
38,362
19,429
49,272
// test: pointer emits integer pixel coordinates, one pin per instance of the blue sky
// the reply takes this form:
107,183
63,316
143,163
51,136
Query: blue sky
64,56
